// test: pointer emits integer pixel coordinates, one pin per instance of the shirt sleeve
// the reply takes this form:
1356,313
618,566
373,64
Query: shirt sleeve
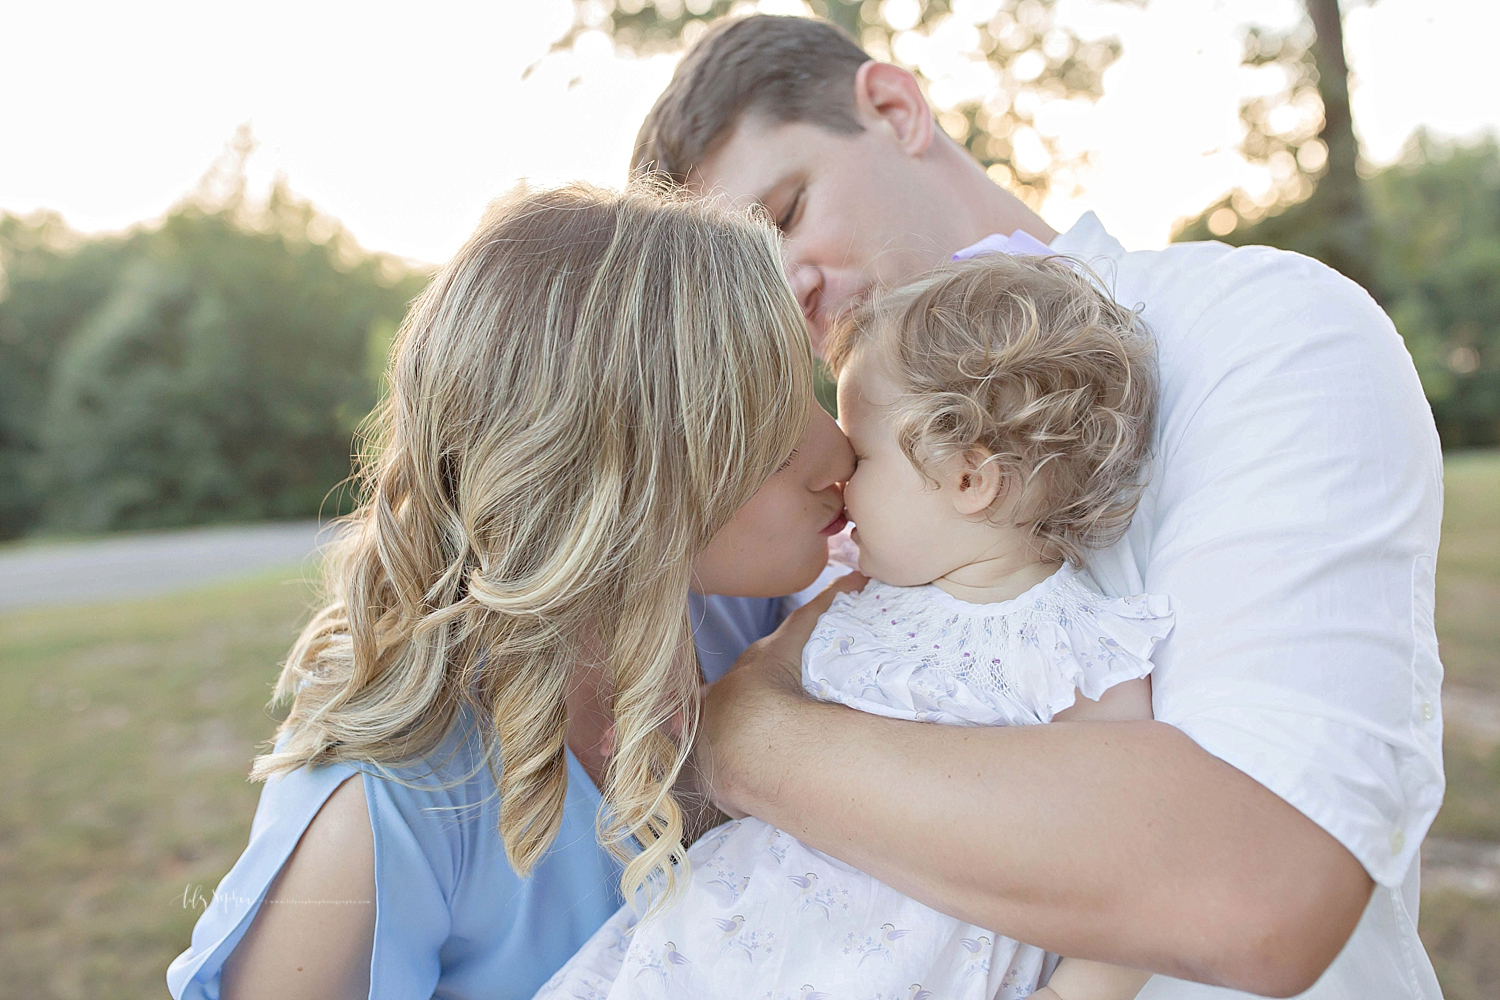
1296,524
415,872
287,805
412,914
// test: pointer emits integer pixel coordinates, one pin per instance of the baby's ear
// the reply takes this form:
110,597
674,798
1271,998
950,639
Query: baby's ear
976,481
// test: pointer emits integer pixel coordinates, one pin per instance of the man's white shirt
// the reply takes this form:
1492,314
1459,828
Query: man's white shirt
1293,519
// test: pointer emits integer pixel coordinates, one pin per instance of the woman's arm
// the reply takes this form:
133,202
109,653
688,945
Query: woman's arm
1123,842
315,931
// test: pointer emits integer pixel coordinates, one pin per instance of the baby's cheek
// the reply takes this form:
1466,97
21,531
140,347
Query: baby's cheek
870,550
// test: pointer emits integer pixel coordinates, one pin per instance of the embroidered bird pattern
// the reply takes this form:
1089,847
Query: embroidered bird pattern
977,961
730,887
805,884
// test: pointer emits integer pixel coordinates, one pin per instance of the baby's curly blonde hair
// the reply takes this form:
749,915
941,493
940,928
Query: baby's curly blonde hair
1026,359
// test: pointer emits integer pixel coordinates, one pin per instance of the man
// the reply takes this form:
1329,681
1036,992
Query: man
1262,835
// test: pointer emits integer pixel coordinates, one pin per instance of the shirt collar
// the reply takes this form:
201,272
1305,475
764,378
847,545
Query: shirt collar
1088,240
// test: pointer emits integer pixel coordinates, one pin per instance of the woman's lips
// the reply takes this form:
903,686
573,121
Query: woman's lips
836,525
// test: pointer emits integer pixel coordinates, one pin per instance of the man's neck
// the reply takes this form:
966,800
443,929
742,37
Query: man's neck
991,208
1004,213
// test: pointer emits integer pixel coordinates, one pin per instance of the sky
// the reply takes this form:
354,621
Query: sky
405,120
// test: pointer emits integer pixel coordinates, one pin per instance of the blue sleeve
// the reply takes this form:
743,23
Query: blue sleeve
288,804
417,847
415,871
452,917
724,626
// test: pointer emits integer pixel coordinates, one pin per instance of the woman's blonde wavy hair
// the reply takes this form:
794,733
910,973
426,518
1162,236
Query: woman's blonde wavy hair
578,402
1028,359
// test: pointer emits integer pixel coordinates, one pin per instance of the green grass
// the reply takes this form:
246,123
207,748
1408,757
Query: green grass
1471,807
1462,936
1468,620
126,731
1468,591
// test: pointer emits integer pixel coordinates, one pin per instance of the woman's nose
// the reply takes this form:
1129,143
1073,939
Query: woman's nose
836,463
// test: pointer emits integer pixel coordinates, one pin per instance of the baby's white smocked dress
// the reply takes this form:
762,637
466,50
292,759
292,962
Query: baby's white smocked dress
765,917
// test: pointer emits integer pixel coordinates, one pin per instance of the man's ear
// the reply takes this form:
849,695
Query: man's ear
889,94
976,481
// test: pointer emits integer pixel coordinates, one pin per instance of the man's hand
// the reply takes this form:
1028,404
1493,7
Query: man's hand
739,710
1203,873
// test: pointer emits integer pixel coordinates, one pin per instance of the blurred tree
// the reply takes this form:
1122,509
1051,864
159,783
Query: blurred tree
1423,236
988,65
210,369
50,279
1302,132
1437,230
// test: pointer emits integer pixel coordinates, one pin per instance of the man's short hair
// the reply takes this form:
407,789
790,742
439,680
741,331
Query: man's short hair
789,69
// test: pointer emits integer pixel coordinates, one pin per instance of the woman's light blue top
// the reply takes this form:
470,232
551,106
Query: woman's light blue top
451,917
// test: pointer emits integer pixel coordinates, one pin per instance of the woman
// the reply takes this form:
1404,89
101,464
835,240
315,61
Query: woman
600,404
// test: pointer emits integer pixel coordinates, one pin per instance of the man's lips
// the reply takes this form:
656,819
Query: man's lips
836,525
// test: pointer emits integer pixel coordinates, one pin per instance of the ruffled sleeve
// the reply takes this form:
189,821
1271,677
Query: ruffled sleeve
1099,643
919,653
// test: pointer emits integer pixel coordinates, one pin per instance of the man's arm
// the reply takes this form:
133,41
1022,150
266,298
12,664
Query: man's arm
1122,842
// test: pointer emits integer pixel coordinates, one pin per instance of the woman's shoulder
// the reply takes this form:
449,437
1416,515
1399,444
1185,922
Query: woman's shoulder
315,929
448,903
288,804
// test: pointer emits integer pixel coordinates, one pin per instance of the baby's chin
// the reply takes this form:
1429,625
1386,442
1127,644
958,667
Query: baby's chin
872,568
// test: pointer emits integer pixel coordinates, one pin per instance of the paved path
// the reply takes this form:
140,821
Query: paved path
70,573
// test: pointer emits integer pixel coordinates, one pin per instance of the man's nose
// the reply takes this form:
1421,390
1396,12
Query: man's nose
807,285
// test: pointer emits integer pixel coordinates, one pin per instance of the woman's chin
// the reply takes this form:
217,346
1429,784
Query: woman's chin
776,581
806,578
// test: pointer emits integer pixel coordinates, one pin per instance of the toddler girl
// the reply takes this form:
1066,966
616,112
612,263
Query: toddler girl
1001,413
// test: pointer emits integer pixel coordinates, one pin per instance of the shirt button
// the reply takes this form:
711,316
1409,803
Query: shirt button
1398,841
1427,711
